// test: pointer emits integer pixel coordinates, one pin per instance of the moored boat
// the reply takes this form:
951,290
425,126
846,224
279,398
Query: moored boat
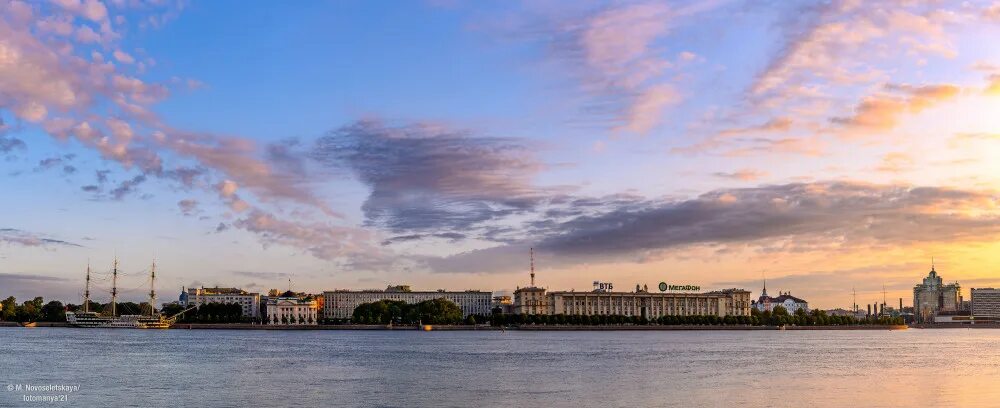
88,319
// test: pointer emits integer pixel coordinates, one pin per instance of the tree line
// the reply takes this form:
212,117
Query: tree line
778,317
442,311
435,311
210,313
34,310
37,310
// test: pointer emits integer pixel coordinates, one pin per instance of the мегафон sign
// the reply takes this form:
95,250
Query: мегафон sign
665,287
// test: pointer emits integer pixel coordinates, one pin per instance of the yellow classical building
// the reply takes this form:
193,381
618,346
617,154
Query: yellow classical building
729,302
530,300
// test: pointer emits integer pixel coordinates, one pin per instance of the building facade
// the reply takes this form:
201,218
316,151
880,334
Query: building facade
530,300
933,296
290,308
729,302
249,302
784,299
340,304
986,303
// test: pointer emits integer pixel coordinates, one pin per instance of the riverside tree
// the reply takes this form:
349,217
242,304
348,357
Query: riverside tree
435,311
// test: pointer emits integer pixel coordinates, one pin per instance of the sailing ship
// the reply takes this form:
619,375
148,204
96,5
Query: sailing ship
89,319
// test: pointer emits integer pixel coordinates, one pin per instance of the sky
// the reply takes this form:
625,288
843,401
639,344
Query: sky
830,147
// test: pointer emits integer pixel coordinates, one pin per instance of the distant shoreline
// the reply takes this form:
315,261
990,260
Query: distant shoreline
246,326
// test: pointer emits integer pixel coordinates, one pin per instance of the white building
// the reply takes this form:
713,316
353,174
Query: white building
986,303
250,302
291,309
784,299
340,304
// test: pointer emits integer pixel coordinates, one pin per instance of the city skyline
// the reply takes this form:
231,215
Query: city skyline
828,146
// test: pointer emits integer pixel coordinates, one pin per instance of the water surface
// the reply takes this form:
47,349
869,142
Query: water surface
195,368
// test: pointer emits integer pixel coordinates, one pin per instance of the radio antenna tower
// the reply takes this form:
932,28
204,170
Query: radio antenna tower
883,295
532,255
855,291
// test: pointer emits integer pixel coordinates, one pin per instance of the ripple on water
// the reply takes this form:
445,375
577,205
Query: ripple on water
409,368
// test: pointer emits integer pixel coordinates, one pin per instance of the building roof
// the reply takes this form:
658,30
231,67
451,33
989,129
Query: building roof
530,289
730,290
415,293
715,294
780,299
219,291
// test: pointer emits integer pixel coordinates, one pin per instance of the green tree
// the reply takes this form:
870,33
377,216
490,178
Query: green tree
439,311
29,311
54,311
779,311
471,320
171,309
9,309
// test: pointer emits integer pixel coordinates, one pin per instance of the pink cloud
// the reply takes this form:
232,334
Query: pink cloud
883,111
781,124
839,46
743,175
993,88
123,57
320,240
45,82
895,162
93,10
646,111
992,13
618,56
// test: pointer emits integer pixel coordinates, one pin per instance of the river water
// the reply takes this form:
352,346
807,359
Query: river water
243,368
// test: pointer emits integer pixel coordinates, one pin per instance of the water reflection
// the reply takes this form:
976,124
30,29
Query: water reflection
922,368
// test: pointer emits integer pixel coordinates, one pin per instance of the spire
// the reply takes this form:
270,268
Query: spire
764,293
932,265
532,255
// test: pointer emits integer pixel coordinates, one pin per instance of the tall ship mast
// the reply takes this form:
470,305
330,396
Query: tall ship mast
152,288
90,319
114,288
86,292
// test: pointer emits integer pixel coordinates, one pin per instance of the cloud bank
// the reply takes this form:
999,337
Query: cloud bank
425,177
789,217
